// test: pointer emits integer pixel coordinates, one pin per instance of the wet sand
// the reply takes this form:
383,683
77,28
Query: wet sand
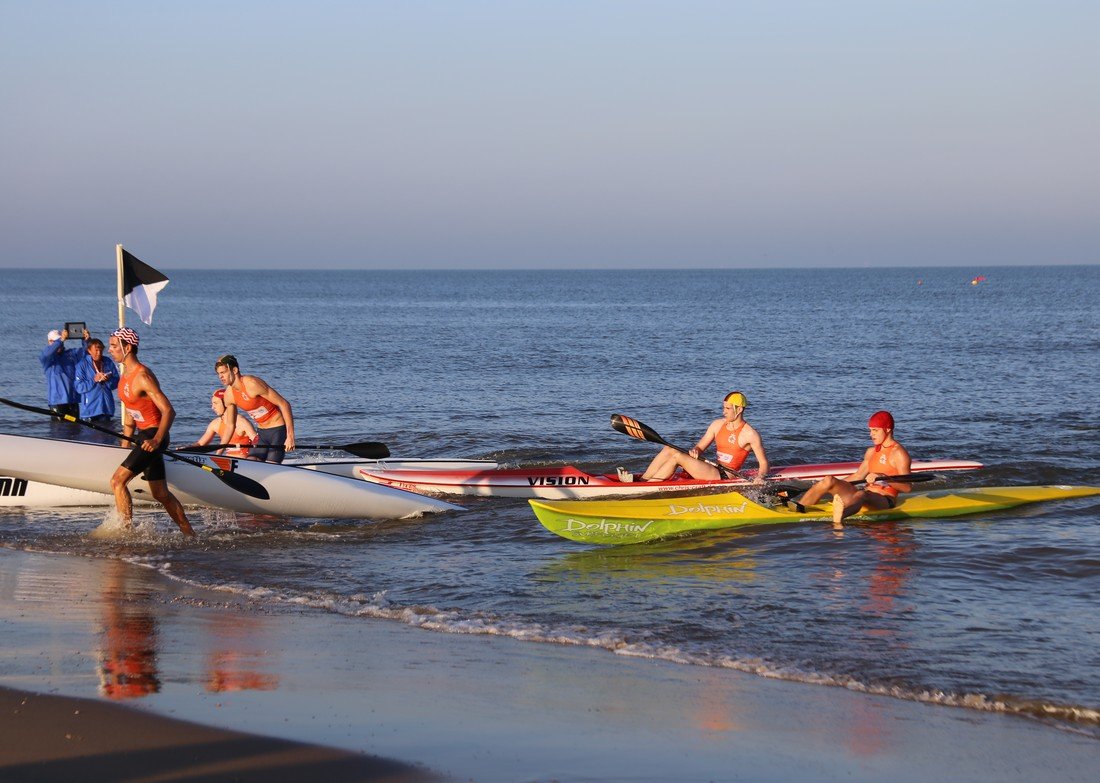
48,738
467,707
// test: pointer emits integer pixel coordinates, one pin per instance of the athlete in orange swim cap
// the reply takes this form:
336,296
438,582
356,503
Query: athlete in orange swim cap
244,434
885,458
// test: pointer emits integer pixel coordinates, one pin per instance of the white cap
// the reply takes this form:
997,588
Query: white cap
53,336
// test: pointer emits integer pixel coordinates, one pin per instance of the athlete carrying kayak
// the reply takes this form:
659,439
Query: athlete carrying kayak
268,409
733,439
885,458
149,411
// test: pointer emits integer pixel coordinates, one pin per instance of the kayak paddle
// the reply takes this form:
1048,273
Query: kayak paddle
640,431
787,492
367,449
242,484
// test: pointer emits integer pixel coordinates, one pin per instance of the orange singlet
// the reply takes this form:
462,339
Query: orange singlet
883,466
145,414
730,454
259,408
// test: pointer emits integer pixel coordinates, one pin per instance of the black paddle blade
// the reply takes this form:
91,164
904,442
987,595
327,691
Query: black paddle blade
242,484
368,449
635,429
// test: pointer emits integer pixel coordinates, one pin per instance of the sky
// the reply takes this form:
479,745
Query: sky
554,134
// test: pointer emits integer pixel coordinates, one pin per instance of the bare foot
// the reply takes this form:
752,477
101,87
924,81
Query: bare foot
838,512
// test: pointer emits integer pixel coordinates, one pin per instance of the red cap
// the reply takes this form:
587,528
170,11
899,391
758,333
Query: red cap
881,420
219,393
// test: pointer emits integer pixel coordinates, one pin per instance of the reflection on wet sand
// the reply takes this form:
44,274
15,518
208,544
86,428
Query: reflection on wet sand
235,663
127,659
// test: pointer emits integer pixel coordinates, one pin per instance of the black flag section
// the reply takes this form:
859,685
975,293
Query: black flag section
140,285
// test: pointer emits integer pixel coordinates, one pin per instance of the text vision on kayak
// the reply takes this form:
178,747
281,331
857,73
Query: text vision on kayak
557,481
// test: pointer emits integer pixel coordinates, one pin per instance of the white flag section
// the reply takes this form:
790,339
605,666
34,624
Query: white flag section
140,286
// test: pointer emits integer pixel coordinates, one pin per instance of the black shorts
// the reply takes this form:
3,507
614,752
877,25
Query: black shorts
270,444
891,501
150,464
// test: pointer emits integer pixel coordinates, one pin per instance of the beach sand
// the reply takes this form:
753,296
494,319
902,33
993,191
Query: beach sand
49,738
468,707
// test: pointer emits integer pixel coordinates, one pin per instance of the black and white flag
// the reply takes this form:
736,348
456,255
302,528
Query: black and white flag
140,285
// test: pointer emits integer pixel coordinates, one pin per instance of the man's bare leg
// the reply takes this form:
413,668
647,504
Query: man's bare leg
830,485
161,493
123,502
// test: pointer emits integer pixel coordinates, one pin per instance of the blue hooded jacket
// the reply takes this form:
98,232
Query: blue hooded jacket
59,364
96,399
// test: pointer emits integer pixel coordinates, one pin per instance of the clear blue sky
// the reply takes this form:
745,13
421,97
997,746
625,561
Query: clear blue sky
546,134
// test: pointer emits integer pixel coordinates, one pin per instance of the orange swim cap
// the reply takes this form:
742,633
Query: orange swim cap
881,420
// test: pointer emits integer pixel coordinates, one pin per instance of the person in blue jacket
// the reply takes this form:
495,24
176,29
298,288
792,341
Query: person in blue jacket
59,364
95,381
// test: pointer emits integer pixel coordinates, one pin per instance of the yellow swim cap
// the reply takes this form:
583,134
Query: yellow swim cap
736,398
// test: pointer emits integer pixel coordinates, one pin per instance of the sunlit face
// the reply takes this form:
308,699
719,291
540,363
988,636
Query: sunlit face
95,351
217,404
225,374
730,411
878,435
116,349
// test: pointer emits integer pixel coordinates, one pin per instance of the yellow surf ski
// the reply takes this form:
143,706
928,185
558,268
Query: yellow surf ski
635,521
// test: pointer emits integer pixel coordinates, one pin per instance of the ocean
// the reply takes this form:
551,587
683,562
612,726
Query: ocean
993,613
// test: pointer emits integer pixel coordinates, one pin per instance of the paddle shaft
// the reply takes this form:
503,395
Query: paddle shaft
242,484
368,449
640,431
791,490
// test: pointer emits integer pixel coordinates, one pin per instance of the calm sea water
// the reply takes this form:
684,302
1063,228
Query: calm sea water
997,612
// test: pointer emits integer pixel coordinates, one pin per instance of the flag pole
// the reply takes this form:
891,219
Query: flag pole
121,293
121,319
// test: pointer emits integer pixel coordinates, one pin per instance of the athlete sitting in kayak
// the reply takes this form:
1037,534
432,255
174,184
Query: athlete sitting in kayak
244,434
267,408
886,458
733,439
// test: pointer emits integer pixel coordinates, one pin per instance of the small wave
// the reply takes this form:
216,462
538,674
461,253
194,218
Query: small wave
1084,720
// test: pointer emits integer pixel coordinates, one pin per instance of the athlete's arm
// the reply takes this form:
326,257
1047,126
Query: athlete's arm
863,469
754,443
211,430
244,426
288,415
229,418
149,384
707,439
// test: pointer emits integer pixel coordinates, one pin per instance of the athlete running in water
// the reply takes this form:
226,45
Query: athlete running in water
152,414
268,409
733,439
886,458
244,434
